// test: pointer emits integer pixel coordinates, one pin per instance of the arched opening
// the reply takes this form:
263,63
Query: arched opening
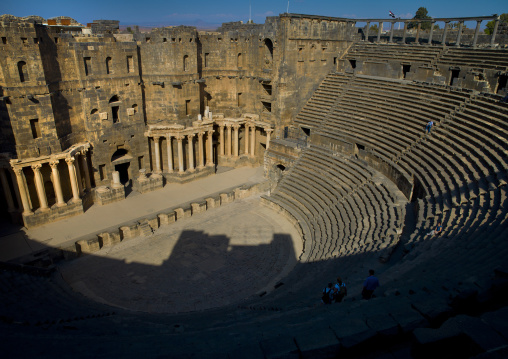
23,72
269,47
186,63
121,161
94,111
239,61
114,99
281,167
108,65
135,107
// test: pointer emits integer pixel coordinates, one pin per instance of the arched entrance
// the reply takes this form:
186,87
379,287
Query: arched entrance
121,161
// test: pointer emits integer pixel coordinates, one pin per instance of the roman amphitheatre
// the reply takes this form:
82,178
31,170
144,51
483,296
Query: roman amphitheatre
183,193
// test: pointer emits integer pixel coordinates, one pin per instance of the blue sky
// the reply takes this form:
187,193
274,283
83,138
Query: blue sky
175,12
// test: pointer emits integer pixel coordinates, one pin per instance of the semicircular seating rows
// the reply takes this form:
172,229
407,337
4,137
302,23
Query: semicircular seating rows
350,216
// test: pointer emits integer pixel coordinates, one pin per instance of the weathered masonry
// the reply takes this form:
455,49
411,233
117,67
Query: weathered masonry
88,114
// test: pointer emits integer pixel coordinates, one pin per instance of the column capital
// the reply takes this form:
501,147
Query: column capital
36,167
156,138
201,133
190,135
18,171
236,126
228,125
54,163
268,130
179,138
69,160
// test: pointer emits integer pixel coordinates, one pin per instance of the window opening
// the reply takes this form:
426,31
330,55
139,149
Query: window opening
108,65
23,73
130,64
88,66
405,69
36,130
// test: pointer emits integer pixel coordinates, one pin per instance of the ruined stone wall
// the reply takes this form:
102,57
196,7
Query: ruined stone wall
308,48
27,109
232,65
170,69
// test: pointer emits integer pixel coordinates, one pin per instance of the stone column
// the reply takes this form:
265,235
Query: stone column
379,30
7,191
253,141
84,162
431,32
405,33
236,131
209,148
56,183
268,133
16,190
78,177
180,153
494,33
157,154
39,186
445,31
190,143
391,31
476,32
228,141
201,160
170,153
367,31
23,192
247,139
221,140
459,35
72,177
418,29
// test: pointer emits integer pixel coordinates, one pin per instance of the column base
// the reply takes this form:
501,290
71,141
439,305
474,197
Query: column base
52,214
188,176
60,204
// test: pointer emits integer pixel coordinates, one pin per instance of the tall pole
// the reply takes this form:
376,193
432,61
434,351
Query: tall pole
288,8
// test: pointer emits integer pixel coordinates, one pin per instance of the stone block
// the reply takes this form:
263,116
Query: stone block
226,198
212,202
383,324
279,347
127,232
198,207
318,343
181,213
352,332
105,195
108,239
144,185
153,222
407,318
242,192
103,115
88,245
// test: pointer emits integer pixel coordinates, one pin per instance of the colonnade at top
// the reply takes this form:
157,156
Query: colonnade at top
446,21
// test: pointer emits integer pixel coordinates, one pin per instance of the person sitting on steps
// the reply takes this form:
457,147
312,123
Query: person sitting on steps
436,231
339,291
327,294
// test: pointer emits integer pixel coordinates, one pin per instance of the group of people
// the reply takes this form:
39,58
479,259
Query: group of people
336,293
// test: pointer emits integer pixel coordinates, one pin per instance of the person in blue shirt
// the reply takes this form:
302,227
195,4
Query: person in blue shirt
370,284
429,126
